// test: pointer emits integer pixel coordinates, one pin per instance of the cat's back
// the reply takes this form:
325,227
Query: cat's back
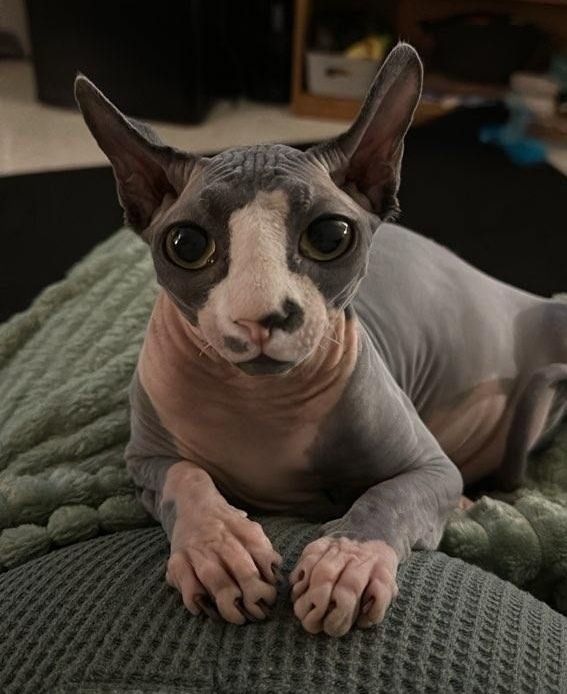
412,268
433,316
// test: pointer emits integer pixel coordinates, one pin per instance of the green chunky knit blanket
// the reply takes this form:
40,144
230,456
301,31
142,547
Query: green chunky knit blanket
65,366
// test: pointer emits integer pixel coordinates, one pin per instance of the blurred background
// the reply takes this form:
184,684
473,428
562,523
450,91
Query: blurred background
486,160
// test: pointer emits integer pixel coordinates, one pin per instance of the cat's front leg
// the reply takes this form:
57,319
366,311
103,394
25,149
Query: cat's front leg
339,581
348,576
220,560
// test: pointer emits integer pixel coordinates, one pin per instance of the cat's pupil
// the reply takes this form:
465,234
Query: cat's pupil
189,243
327,235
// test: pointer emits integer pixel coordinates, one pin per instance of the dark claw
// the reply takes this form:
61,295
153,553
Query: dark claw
243,611
331,607
206,604
278,574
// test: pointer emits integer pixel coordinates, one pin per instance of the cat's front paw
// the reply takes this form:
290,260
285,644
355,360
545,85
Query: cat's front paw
223,564
339,582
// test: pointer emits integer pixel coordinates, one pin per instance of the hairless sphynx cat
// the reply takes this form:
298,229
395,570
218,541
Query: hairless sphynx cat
305,356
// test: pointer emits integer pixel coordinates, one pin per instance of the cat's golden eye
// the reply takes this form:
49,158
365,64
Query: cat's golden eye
326,239
189,246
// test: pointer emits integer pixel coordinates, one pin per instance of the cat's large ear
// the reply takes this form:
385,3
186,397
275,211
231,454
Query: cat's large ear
365,161
149,175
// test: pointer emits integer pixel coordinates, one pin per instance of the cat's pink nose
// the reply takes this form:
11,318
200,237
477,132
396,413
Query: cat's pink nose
257,333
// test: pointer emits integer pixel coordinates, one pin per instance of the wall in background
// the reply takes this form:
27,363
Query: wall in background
13,18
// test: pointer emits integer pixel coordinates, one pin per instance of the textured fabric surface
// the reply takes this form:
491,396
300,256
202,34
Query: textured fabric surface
521,536
98,617
65,366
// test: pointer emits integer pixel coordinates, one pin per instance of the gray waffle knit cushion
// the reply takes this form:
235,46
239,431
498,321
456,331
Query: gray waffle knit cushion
98,617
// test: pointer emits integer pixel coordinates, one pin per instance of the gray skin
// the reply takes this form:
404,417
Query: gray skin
435,334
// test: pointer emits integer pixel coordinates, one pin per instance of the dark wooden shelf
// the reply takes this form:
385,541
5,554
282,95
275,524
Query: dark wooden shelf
551,15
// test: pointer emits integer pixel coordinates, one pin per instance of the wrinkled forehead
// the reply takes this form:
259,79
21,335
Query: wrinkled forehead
232,179
260,167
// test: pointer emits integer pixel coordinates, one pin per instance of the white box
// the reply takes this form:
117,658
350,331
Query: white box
331,74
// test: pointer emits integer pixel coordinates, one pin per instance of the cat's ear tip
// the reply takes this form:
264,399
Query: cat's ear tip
404,48
85,90
405,54
82,83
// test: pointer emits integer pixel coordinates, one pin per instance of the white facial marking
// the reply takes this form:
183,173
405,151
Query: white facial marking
258,283
258,272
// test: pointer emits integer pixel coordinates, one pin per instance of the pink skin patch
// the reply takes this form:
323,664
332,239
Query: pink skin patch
339,582
225,426
465,503
229,423
221,562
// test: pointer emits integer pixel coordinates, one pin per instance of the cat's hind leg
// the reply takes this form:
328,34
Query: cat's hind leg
541,407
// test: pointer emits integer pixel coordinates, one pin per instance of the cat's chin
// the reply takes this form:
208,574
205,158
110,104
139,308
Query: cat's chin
263,365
